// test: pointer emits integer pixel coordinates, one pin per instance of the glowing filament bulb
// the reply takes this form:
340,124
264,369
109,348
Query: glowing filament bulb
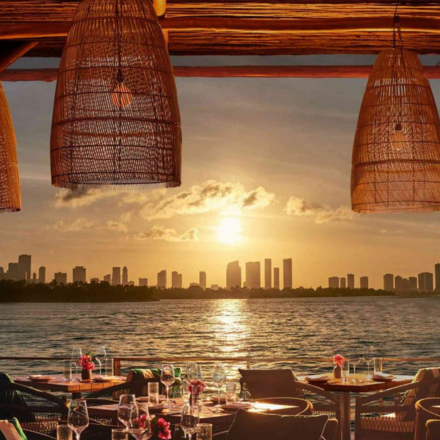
121,95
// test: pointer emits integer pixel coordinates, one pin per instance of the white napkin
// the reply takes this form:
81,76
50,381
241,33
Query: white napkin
382,376
8,430
318,378
39,377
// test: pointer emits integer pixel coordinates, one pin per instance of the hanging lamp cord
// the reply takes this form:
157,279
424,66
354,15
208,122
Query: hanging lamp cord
397,30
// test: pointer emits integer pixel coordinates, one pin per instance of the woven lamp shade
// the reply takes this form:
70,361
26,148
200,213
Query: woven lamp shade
396,153
116,117
10,196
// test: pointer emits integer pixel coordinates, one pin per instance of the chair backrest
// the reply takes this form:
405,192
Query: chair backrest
423,414
256,426
8,397
138,379
270,383
429,379
433,430
14,424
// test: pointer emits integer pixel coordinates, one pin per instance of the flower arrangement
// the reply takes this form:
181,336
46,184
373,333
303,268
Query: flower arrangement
160,428
85,362
196,387
339,360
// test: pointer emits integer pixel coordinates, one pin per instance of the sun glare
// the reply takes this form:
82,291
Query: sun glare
229,231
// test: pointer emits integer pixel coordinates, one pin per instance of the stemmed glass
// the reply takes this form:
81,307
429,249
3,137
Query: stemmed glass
190,419
141,425
78,416
358,357
100,353
127,410
194,372
167,378
219,378
369,357
76,354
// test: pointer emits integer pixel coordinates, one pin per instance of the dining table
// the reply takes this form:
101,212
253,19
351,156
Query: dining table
75,386
357,384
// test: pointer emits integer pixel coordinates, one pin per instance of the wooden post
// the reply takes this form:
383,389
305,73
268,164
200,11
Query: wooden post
116,366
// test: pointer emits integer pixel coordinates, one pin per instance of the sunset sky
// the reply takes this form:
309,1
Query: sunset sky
266,174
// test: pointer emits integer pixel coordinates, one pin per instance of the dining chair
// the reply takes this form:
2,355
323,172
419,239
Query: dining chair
392,413
433,430
424,413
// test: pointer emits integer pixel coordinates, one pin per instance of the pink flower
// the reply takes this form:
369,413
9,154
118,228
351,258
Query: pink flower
86,362
196,387
161,428
339,360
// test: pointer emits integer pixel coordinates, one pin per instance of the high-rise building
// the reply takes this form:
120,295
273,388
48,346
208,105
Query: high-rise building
24,267
343,283
202,280
276,278
268,273
180,281
426,282
233,275
413,284
116,276
2,273
437,277
34,278
350,281
60,278
333,282
143,282
174,280
108,278
401,285
124,276
364,282
388,282
42,274
162,279
13,272
79,274
287,273
253,275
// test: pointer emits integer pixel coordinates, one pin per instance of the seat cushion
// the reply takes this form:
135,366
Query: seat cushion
254,426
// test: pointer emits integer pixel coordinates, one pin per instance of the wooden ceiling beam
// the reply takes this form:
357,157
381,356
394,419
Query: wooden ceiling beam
38,30
49,75
12,51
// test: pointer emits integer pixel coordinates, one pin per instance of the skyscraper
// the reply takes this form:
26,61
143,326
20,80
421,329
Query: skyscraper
175,280
108,278
162,279
180,281
42,274
426,282
124,276
116,276
253,275
2,273
350,281
202,280
143,282
79,274
287,273
364,282
333,282
276,278
413,284
34,278
401,285
343,283
268,273
60,278
233,275
24,267
388,282
437,277
13,272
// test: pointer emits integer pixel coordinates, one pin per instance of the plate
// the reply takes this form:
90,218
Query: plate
214,399
104,378
384,378
145,398
156,407
40,378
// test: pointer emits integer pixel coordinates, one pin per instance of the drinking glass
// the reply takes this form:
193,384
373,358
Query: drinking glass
190,419
357,358
76,354
78,416
194,372
219,378
127,410
378,365
231,392
153,393
141,426
64,432
346,371
119,434
204,431
369,357
108,366
100,356
167,378
67,370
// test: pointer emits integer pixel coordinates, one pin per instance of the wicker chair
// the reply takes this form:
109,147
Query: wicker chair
283,383
391,414
424,413
35,410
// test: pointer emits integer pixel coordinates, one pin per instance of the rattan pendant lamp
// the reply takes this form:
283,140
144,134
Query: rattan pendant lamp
116,117
10,196
396,153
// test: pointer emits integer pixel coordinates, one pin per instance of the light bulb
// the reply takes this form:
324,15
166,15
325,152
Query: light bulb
121,95
398,140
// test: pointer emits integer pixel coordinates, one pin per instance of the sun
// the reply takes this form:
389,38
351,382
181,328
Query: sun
229,231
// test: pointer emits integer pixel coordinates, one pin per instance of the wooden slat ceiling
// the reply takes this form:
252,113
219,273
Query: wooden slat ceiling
231,27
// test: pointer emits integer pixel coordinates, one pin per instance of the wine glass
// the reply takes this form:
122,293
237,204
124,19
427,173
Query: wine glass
127,410
100,353
78,416
369,357
194,372
190,419
167,378
219,378
358,357
141,425
76,354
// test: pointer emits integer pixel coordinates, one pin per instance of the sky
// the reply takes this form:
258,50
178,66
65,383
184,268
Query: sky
266,174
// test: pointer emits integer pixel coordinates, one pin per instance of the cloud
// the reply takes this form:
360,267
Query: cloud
320,213
67,198
161,233
77,225
209,196
115,226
